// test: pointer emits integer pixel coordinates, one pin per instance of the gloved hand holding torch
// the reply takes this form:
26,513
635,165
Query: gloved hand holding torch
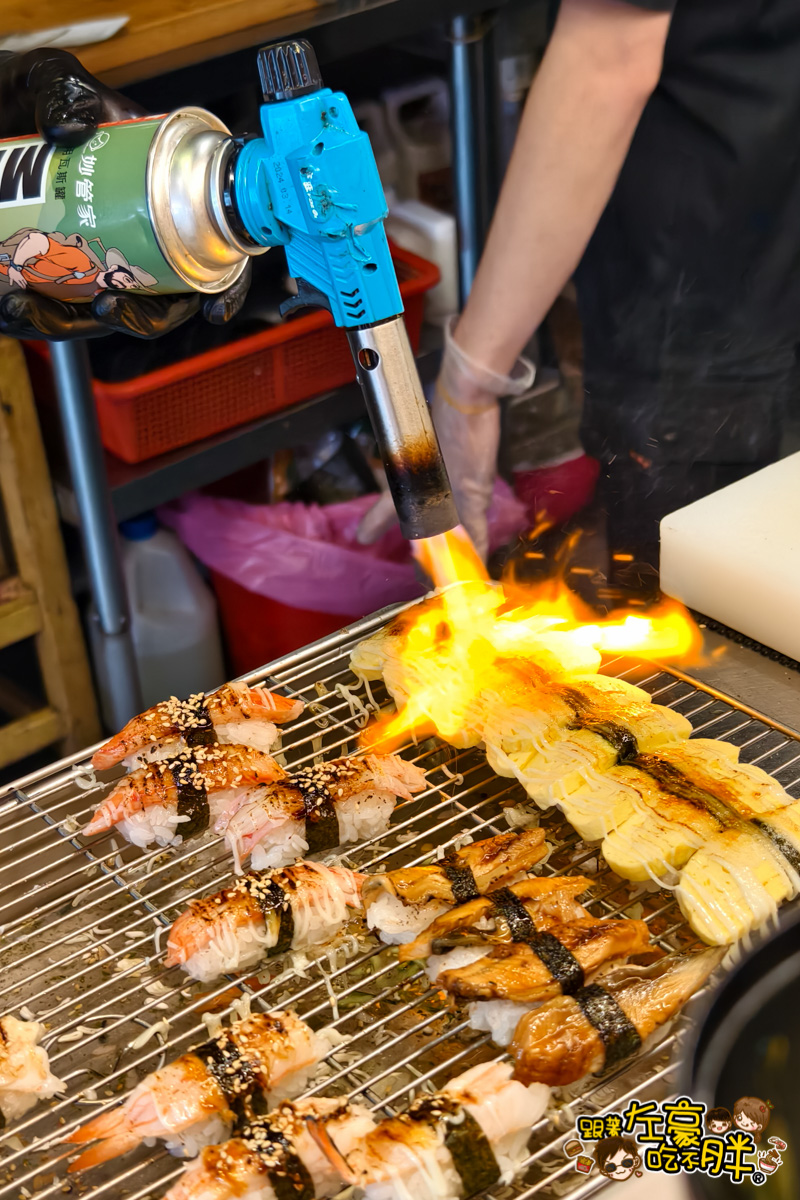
466,413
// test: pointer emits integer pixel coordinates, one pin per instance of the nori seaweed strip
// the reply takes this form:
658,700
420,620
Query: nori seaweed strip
673,780
470,1149
322,823
461,880
224,1061
617,1032
287,1173
195,722
509,906
618,736
271,898
781,844
192,795
560,962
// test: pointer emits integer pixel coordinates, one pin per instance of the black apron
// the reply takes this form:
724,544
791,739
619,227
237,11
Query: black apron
689,290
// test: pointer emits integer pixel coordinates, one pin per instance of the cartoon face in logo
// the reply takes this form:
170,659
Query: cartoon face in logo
617,1158
751,1115
718,1120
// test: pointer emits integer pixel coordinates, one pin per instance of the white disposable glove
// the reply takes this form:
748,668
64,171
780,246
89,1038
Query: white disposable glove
466,413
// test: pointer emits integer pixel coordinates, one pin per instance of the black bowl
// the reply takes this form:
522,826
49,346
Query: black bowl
748,1044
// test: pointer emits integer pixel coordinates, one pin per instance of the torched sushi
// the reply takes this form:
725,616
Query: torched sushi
401,904
191,1103
319,808
265,913
278,1157
557,735
235,714
168,801
604,1023
470,1136
25,1075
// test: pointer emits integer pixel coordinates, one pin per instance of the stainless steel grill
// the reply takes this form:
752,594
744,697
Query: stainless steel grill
82,920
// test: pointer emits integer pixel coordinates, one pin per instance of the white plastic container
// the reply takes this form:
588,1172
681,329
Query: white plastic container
371,117
431,234
418,122
174,622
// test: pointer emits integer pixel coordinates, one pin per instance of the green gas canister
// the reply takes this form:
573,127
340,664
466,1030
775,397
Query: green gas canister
140,205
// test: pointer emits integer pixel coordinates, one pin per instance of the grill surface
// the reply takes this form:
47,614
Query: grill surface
82,921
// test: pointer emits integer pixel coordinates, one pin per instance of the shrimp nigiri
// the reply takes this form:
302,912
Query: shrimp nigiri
450,1145
234,713
168,801
278,1156
25,1074
320,807
189,1103
264,913
603,1024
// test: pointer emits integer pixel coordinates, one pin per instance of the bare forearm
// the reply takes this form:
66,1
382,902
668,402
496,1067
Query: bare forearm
579,119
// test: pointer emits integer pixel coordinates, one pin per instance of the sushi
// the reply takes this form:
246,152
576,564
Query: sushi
555,736
25,1075
470,1136
603,1024
665,804
496,917
168,801
319,808
278,1157
519,946
547,963
190,1103
401,904
737,879
234,714
265,913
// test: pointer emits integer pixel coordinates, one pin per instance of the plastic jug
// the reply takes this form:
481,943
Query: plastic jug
418,121
433,235
174,622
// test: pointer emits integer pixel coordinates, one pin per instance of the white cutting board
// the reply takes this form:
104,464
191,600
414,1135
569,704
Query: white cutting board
735,556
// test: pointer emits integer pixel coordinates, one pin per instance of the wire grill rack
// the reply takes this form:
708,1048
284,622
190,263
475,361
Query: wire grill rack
82,921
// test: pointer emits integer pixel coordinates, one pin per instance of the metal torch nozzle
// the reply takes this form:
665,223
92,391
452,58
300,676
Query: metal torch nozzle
402,423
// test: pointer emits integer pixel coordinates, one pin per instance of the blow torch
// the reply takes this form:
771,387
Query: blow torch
311,185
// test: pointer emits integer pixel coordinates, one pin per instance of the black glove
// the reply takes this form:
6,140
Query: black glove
49,91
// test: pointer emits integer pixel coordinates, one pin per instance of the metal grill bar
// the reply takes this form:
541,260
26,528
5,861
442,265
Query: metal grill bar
82,918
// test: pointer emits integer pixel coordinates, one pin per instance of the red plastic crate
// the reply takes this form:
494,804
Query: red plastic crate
204,395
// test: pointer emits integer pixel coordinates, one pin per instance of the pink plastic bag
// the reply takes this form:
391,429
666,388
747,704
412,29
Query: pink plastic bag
307,556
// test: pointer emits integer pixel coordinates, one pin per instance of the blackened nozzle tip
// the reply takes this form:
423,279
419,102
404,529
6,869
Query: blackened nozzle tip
422,497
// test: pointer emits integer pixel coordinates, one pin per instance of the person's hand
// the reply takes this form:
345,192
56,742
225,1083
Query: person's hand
48,92
466,413
16,277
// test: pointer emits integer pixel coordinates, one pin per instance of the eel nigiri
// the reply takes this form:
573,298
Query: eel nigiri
189,1104
278,1156
602,1024
263,914
319,808
168,801
564,733
25,1075
234,714
542,901
401,904
547,963
460,1141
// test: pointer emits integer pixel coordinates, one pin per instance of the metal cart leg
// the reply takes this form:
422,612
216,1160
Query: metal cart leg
115,663
473,119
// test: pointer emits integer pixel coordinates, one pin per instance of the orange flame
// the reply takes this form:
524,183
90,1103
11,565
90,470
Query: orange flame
451,647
